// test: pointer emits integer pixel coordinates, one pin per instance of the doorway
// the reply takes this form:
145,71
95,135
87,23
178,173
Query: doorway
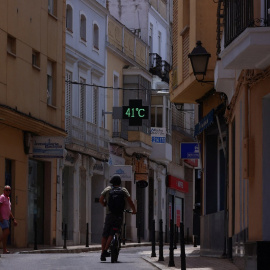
36,201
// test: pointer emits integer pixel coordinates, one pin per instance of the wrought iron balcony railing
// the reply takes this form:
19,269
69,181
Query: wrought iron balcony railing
155,64
239,15
165,71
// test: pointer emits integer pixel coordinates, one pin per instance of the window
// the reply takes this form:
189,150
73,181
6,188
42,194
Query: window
11,45
116,122
83,28
35,59
82,98
68,99
159,43
69,18
96,37
52,7
95,105
151,38
50,83
157,111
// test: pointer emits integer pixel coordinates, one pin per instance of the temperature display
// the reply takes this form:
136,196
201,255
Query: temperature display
135,112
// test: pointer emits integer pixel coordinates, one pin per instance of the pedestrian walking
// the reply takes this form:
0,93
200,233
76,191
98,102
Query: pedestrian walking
5,216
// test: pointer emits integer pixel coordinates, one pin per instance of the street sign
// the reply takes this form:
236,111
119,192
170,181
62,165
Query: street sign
190,151
135,112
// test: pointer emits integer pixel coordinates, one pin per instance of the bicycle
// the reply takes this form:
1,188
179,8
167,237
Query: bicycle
115,245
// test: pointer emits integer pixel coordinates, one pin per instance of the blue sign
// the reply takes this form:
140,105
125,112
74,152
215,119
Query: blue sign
190,151
204,123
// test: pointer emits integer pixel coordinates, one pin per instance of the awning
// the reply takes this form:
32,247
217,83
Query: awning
204,123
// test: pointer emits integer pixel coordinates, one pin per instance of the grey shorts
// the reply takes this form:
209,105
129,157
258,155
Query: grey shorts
111,222
5,224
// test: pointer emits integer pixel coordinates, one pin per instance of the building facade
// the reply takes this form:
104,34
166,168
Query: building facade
195,23
32,38
243,74
83,169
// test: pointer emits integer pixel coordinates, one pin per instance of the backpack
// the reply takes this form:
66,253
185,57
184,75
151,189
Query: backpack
116,201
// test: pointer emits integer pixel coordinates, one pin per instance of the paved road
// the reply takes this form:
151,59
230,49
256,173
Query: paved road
128,259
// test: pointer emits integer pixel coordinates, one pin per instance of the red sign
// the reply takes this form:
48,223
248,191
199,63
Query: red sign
191,162
178,184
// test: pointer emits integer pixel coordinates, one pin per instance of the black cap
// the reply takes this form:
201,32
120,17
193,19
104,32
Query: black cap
116,180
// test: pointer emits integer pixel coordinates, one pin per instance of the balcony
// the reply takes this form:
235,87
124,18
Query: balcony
159,67
155,64
127,44
246,39
87,138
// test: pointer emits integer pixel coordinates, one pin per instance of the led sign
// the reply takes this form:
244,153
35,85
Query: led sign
135,112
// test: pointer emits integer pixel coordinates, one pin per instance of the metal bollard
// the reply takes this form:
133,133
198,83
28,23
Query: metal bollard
65,237
124,234
166,233
175,236
139,232
161,258
183,253
153,240
171,261
87,235
35,241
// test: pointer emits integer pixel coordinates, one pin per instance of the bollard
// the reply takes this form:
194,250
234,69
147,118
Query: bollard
166,233
153,240
161,258
171,260
139,232
87,235
124,234
183,253
175,237
65,237
35,235
195,241
187,236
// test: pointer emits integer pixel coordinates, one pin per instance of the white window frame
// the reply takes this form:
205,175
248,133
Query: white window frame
83,31
95,36
69,18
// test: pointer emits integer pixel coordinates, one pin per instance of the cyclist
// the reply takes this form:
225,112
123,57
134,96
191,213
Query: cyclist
112,220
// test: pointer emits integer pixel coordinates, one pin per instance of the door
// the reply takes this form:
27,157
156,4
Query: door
35,201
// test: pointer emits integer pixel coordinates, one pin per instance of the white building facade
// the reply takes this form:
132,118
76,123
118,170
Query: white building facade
83,170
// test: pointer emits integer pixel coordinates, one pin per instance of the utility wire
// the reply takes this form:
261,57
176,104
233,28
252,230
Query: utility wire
116,88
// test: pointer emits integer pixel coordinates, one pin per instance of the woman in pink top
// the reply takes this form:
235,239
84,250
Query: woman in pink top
5,215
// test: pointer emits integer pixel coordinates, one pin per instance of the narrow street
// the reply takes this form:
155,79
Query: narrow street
130,258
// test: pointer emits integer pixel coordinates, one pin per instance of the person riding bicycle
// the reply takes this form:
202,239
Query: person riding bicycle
113,218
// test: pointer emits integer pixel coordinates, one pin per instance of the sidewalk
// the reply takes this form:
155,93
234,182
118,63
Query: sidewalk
193,259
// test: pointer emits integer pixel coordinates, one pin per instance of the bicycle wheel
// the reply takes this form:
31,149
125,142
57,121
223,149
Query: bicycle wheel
114,251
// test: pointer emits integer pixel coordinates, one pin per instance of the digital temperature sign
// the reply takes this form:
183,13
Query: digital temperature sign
135,112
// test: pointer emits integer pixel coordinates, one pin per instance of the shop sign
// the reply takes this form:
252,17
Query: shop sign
48,147
178,184
98,168
125,171
189,151
204,123
158,135
192,162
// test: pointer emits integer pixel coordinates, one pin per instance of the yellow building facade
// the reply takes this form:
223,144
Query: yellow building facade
32,36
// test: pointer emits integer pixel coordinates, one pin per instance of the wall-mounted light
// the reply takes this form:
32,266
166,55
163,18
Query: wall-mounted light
199,58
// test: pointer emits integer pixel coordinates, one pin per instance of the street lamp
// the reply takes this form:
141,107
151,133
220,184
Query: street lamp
199,60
